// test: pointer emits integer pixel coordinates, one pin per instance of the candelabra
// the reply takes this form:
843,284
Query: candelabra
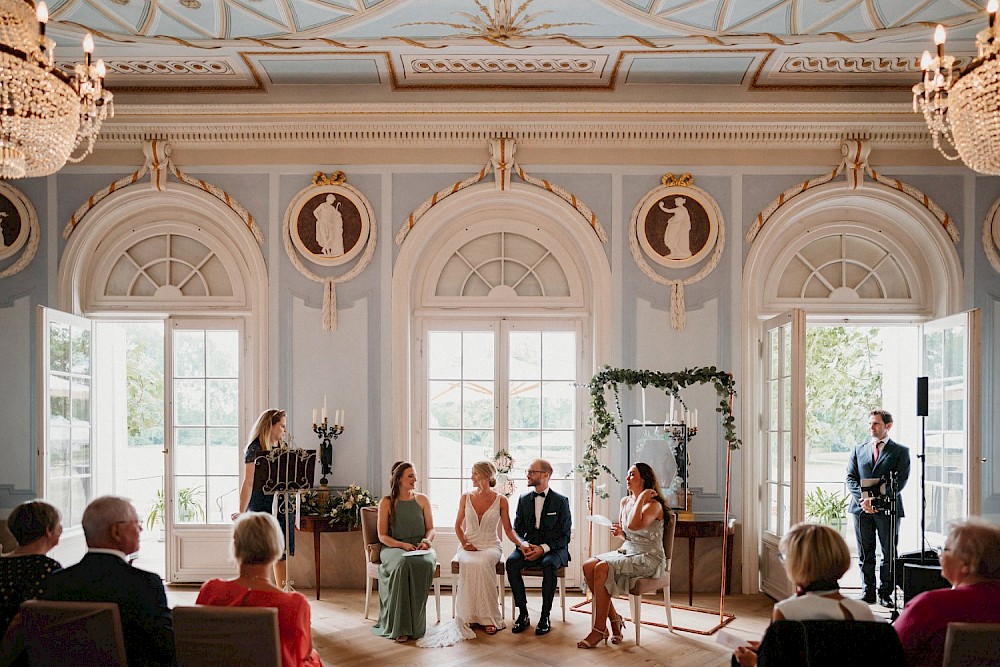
327,433
962,109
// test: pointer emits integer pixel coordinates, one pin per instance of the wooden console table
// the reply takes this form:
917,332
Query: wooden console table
317,525
692,529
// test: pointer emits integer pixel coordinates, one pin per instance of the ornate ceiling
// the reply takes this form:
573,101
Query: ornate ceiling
383,47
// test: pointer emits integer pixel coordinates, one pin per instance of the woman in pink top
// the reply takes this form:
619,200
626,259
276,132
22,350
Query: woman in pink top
970,561
257,544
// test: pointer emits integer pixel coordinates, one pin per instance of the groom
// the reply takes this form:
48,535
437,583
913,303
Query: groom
543,523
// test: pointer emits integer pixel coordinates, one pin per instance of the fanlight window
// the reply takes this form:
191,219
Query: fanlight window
168,266
844,267
502,265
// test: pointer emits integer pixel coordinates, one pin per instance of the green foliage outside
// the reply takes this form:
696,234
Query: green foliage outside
144,382
843,383
827,507
190,506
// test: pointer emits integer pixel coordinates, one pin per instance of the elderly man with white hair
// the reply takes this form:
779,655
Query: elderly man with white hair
111,526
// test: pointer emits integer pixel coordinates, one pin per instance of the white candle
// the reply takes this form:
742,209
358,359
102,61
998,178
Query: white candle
671,408
643,405
694,419
341,418
315,414
323,415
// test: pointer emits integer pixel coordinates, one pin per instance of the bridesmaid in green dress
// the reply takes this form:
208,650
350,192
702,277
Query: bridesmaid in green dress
405,525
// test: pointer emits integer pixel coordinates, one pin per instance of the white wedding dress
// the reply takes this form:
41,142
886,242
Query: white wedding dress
476,600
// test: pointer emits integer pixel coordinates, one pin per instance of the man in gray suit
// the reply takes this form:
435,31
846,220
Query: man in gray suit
877,459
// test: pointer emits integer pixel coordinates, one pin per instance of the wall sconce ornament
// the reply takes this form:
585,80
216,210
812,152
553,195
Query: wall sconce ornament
19,229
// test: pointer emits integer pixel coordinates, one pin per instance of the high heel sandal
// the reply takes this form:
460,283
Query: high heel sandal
602,634
617,627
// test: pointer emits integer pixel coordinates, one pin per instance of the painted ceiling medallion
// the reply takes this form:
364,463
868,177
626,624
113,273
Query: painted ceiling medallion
502,23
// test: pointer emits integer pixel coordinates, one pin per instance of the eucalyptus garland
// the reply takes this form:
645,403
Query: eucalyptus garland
603,424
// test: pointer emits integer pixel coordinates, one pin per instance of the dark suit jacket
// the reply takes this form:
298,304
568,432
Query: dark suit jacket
859,466
141,599
557,523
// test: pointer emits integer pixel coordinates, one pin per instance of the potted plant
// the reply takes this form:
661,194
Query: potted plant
189,507
827,507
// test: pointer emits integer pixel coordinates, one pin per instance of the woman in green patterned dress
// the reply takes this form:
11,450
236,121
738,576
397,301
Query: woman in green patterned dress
406,531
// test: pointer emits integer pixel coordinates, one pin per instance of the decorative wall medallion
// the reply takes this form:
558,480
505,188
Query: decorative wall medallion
330,223
19,229
991,235
677,225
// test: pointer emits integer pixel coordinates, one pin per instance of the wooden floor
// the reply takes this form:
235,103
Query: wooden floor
342,636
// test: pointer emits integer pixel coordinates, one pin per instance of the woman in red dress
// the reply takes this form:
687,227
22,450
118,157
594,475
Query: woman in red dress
257,544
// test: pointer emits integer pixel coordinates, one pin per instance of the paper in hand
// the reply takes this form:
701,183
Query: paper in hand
417,552
600,520
730,640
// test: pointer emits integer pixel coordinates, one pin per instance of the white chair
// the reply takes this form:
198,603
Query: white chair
501,588
207,636
73,633
560,580
648,585
972,645
373,551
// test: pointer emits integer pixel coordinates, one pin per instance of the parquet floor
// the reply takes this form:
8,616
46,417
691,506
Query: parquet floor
342,636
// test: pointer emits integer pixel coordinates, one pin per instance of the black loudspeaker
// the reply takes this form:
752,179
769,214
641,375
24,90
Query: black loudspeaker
917,576
922,396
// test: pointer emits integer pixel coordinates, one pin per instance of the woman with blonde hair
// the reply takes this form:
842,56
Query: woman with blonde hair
266,435
481,513
815,557
257,543
406,531
970,561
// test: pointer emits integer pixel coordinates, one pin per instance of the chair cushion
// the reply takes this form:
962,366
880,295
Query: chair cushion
500,569
374,552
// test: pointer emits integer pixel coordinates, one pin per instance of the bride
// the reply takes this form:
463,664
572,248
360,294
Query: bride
480,515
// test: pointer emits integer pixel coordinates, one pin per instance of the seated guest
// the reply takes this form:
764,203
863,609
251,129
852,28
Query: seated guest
36,526
111,528
405,525
970,561
816,557
257,544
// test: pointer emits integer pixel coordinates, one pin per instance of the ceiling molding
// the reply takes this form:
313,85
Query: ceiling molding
638,125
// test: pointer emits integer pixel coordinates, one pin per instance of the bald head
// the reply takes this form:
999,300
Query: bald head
111,522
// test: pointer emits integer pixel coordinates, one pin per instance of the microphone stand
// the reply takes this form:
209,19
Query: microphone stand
923,488
891,510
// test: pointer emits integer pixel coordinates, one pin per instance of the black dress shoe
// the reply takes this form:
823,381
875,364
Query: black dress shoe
867,597
886,602
543,626
521,624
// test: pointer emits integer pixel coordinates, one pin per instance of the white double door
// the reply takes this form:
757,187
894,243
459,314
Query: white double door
161,422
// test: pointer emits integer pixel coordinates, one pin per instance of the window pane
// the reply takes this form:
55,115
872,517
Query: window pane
79,498
189,399
223,451
772,507
222,354
478,446
223,402
59,462
59,399
525,405
80,346
445,402
58,347
189,454
81,451
223,498
559,355
477,355
954,362
444,453
558,404
525,355
477,402
189,499
772,338
80,405
557,449
444,495
189,354
59,496
444,355
525,446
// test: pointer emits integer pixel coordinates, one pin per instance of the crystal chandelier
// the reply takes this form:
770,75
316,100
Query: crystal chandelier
962,109
45,115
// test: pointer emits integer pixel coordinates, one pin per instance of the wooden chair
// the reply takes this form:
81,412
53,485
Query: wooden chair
649,585
560,580
501,587
237,636
73,633
972,645
373,551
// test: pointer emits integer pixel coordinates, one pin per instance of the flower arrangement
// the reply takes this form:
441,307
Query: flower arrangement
504,463
345,508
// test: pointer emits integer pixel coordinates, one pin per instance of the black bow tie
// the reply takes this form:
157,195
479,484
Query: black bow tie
538,494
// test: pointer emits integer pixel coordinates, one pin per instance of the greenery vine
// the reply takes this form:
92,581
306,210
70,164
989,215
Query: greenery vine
603,424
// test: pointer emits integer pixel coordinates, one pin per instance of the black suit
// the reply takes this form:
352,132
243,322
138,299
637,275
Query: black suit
141,600
894,457
554,531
